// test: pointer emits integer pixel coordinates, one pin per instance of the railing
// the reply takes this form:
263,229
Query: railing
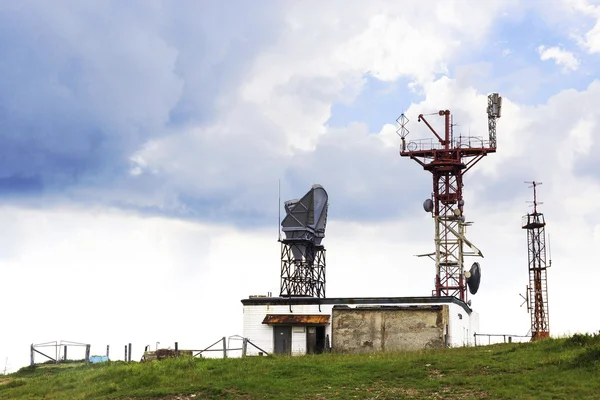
60,350
506,338
226,346
466,142
535,220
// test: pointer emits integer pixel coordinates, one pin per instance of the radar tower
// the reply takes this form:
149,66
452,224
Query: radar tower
302,254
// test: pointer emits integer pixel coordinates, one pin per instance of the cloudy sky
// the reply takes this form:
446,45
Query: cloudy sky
142,142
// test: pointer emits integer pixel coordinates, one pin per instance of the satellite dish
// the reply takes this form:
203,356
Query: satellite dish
428,205
473,277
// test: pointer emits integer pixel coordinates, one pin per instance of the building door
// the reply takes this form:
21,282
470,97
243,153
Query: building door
315,339
311,340
320,339
283,339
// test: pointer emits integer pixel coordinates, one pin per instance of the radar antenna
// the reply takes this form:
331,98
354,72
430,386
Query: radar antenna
302,254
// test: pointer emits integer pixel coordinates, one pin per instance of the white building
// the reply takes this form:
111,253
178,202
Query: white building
306,325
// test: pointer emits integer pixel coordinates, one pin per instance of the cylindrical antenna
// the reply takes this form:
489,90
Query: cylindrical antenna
549,253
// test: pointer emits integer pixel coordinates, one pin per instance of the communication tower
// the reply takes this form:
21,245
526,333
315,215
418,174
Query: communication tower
302,254
537,291
448,158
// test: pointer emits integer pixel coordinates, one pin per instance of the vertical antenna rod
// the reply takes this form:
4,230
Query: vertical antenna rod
279,203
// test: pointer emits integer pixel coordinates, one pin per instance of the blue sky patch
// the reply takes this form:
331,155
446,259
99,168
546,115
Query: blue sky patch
378,103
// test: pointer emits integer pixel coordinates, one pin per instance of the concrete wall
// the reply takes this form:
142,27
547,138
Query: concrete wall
371,329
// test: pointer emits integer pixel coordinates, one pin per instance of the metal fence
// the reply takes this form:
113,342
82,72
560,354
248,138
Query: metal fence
495,338
60,350
226,346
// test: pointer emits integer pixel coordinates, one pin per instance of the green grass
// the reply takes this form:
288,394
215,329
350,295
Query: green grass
566,368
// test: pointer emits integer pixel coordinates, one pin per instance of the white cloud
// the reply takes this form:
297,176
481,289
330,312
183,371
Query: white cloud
276,120
590,40
561,57
329,51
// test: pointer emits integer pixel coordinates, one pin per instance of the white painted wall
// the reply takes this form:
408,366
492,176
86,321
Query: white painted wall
461,330
262,334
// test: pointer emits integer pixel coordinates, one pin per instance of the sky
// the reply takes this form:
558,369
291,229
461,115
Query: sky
142,145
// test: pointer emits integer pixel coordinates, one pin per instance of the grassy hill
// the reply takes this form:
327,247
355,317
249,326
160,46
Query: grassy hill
566,368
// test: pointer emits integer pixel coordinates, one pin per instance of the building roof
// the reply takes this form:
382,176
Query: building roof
354,300
296,319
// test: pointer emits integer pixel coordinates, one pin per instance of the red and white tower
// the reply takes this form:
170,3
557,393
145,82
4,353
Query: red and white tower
537,291
448,158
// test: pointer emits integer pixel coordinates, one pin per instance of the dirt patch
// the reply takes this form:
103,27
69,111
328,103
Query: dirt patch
227,394
435,374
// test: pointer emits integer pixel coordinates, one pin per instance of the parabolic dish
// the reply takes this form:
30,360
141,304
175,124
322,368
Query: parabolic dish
428,205
474,278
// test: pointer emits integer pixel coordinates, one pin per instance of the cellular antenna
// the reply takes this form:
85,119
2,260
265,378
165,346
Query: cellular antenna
537,291
549,253
448,157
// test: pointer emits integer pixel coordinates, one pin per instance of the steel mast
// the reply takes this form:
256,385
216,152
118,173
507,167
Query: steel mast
448,158
537,291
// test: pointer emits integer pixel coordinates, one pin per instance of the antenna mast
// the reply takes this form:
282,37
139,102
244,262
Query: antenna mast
537,291
448,157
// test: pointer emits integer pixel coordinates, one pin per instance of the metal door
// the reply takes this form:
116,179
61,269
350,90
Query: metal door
283,339
311,340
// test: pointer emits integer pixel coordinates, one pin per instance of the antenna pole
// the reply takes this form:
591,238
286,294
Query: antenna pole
279,203
534,197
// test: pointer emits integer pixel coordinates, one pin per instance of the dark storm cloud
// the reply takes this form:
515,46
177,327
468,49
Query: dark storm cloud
83,85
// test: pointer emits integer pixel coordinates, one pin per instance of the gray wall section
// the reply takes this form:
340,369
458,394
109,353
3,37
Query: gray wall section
372,329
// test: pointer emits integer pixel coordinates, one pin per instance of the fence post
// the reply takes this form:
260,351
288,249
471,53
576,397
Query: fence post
107,349
176,348
224,347
32,356
129,360
65,355
244,347
125,359
87,352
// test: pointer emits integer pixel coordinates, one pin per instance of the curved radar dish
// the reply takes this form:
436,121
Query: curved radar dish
428,205
306,218
473,277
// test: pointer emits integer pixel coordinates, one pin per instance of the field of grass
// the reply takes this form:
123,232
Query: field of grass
566,368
